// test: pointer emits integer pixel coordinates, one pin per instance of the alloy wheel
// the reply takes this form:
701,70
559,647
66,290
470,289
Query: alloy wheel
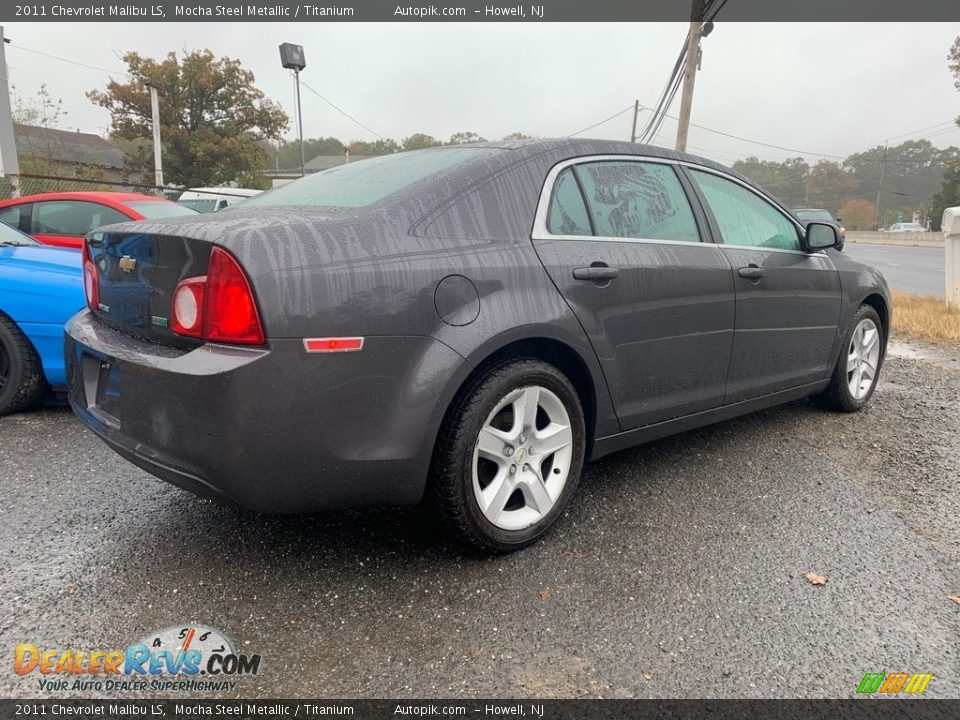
522,458
863,358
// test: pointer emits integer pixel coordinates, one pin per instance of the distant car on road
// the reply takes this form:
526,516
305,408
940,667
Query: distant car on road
208,200
807,215
470,323
906,227
63,218
40,288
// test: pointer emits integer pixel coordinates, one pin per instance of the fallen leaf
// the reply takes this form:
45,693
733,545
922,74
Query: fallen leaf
545,594
72,590
955,598
815,579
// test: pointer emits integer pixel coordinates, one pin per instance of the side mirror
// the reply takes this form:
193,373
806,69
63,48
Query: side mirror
820,236
839,219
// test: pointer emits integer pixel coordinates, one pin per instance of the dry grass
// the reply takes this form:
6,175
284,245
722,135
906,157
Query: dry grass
925,318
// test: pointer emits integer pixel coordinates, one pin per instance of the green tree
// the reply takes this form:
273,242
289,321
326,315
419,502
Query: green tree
516,136
857,214
40,157
787,180
828,184
287,156
418,141
948,195
383,146
462,138
212,117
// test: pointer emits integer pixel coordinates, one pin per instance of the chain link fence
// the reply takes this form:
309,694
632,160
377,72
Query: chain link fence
35,184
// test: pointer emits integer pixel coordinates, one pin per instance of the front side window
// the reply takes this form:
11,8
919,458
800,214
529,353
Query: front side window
745,218
629,199
568,214
71,217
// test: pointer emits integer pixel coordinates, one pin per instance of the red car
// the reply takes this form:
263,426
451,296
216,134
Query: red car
64,218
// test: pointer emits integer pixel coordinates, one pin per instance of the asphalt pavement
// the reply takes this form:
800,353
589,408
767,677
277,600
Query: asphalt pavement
678,571
919,270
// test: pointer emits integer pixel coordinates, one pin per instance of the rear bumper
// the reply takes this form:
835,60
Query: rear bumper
271,430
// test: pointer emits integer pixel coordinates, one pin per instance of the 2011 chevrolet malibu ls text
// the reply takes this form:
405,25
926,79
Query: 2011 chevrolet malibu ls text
469,323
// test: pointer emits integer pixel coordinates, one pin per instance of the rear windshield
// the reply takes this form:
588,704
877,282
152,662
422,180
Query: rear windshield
363,182
814,215
201,205
158,209
12,236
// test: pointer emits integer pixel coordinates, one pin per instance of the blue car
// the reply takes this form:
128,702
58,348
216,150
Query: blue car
40,288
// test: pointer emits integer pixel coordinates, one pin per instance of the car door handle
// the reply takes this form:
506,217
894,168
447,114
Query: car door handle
752,272
596,273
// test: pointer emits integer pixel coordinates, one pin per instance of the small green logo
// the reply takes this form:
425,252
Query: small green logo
158,321
894,683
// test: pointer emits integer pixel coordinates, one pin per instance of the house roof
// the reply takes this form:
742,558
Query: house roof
323,162
68,147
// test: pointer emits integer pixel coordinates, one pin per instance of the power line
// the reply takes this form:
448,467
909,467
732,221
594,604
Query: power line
72,62
608,119
342,111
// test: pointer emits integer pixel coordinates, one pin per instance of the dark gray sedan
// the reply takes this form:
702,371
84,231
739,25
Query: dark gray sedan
470,323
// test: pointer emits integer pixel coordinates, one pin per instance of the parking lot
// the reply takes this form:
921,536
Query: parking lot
678,570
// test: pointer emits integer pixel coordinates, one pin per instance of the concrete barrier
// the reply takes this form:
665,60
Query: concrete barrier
919,239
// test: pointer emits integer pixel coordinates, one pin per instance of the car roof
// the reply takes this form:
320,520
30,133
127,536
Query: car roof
98,196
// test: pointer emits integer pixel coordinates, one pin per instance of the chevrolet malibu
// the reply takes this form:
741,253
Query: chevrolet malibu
468,324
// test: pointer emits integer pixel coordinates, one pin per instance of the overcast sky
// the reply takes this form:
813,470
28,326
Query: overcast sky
830,89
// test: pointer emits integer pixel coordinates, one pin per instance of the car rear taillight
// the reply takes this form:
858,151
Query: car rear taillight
218,306
91,283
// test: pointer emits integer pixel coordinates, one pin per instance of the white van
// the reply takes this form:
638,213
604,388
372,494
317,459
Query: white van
208,200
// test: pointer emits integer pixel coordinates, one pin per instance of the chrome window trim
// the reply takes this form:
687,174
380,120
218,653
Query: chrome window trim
540,231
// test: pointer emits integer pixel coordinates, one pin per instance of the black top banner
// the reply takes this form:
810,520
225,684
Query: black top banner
477,11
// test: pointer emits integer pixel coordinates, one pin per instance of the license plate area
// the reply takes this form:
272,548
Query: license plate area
101,384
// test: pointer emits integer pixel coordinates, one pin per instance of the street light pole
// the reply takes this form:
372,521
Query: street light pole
300,124
292,58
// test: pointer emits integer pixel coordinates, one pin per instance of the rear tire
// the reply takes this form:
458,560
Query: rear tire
21,374
509,456
850,387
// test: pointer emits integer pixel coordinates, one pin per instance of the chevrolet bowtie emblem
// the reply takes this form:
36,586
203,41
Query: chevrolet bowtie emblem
127,264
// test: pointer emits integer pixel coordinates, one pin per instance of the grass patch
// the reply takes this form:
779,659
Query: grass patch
925,318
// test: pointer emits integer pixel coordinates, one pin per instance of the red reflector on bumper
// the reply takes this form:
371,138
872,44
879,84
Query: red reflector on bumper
332,345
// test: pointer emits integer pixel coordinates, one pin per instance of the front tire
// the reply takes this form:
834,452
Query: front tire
858,367
21,373
509,455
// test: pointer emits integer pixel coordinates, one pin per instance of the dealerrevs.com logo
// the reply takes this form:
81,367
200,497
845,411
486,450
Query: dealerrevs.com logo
189,658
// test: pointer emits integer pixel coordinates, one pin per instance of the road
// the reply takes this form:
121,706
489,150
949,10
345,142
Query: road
918,270
678,570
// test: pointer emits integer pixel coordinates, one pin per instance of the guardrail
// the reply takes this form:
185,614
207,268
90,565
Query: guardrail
914,239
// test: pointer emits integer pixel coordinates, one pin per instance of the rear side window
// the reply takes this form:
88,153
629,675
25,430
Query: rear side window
637,200
11,216
568,213
364,182
744,217
71,217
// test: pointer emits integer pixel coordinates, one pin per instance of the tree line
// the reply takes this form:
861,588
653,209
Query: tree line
219,128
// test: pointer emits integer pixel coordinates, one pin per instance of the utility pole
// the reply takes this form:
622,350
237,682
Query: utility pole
883,169
689,73
157,156
9,165
636,111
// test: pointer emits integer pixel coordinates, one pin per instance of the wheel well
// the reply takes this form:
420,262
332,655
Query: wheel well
562,357
880,305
